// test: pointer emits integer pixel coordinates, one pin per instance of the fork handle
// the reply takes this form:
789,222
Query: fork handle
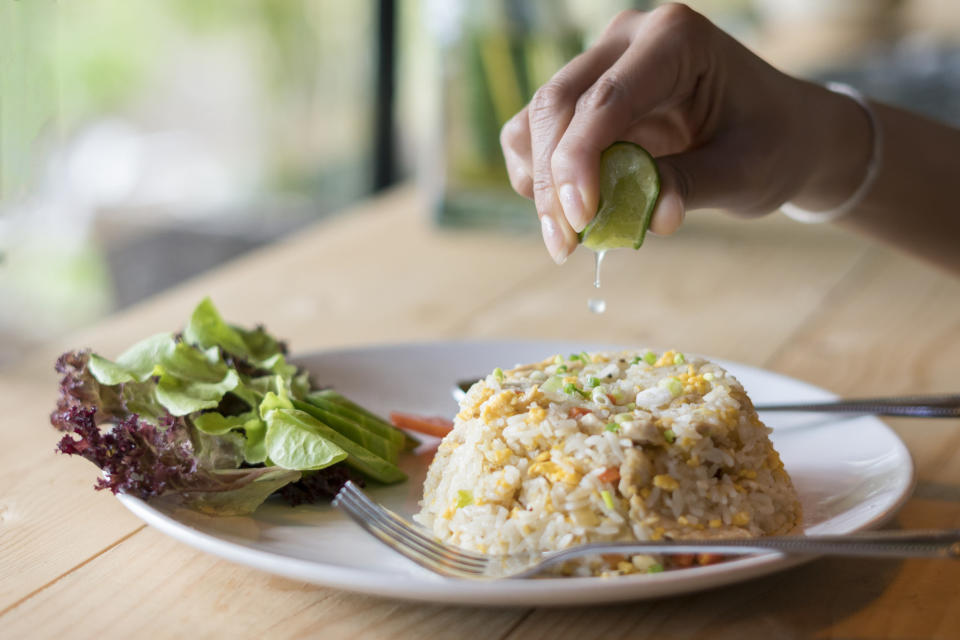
938,406
888,544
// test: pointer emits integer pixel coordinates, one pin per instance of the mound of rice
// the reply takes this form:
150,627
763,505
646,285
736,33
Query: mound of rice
606,446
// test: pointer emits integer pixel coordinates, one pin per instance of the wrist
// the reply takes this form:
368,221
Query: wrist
838,140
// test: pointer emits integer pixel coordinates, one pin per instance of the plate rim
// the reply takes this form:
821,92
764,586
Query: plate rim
541,592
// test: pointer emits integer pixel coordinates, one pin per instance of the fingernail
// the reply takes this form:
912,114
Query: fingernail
553,238
573,207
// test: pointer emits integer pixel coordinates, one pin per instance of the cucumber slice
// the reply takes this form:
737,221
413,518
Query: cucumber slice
330,400
629,188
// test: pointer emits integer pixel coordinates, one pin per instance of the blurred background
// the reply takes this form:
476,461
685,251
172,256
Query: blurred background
144,142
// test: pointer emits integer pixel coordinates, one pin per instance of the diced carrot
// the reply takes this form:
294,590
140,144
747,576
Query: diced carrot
611,399
709,558
430,425
577,412
610,474
682,559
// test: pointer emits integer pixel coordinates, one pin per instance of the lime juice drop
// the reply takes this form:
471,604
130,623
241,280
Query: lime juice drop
597,305
597,262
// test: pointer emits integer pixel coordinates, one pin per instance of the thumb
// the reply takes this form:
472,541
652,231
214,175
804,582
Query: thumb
670,210
711,177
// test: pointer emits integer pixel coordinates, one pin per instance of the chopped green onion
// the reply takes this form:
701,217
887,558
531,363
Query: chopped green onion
572,388
599,396
558,359
635,360
655,568
607,499
612,426
498,374
555,383
464,498
631,405
617,396
673,385
574,356
649,357
593,381
622,417
669,436
562,369
679,359
585,357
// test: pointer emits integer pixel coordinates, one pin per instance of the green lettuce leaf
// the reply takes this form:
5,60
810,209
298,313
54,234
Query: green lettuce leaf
293,441
189,363
138,398
300,385
207,329
261,345
274,400
239,491
251,440
181,397
136,363
255,447
218,452
216,424
277,364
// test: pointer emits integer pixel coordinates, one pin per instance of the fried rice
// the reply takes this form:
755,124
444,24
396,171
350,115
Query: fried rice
606,446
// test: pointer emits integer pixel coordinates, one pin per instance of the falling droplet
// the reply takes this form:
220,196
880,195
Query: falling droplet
598,260
597,305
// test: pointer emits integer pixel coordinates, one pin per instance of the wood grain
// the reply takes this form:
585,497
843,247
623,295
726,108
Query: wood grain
810,302
151,586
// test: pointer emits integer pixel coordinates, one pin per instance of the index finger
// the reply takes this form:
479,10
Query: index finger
549,114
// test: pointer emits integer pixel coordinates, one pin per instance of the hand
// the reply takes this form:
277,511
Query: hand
727,129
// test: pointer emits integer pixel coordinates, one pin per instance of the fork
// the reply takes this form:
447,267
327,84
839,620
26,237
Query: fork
927,406
410,541
914,406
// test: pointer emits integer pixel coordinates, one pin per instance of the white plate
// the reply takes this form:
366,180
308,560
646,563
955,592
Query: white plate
851,474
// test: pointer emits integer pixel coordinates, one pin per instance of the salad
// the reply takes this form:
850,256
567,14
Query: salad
216,416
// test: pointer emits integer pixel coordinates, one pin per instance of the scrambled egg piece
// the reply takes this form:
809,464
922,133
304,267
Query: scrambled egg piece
553,472
499,406
665,482
536,414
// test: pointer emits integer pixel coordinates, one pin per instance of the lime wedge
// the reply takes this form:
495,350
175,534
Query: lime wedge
629,187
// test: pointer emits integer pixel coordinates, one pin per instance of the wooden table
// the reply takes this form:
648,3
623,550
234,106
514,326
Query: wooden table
810,302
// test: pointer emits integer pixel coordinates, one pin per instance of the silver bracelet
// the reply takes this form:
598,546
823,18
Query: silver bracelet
873,168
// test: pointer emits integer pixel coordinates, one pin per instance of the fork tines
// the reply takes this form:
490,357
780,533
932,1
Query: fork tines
400,536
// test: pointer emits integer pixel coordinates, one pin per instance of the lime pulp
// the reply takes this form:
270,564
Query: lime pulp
629,188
